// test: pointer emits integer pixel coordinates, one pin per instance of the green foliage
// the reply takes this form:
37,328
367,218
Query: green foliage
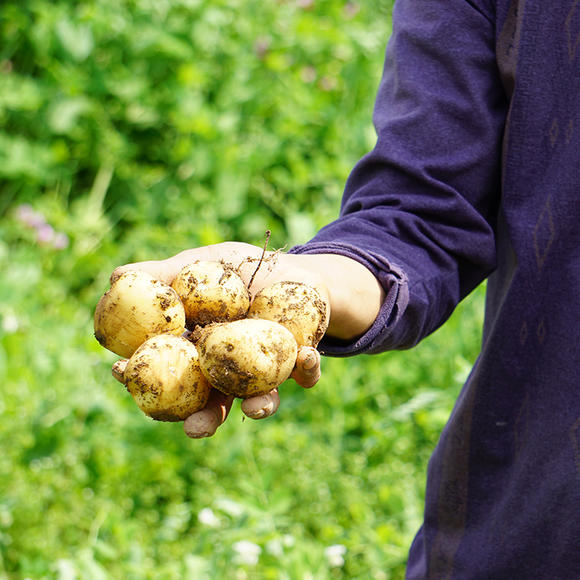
134,129
189,106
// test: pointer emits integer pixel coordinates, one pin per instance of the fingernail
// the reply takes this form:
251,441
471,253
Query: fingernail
193,435
309,362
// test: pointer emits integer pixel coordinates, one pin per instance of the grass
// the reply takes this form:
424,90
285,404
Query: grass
134,130
89,486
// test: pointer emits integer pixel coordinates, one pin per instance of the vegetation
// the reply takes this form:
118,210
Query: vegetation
132,129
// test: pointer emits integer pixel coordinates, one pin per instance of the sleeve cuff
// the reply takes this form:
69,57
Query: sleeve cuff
380,336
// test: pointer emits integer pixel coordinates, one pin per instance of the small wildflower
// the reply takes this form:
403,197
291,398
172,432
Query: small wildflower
351,9
66,570
308,74
275,548
45,234
247,553
305,4
262,46
28,216
10,323
335,555
328,83
230,507
207,517
60,241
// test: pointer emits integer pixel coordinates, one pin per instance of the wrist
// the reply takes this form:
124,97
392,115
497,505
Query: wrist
355,296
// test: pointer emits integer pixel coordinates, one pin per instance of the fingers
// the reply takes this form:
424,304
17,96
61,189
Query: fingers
307,370
118,369
306,373
166,270
262,406
152,267
204,423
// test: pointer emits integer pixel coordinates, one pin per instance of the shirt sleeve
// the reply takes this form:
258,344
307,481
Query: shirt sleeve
419,210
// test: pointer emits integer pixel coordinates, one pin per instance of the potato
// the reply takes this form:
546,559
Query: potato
211,292
246,357
135,308
297,306
164,378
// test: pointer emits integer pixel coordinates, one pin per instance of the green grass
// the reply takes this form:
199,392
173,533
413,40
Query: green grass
87,483
138,129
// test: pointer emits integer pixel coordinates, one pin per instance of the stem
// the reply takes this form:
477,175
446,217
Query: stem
268,233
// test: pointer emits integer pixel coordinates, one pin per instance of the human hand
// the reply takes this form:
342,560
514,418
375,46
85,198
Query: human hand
248,260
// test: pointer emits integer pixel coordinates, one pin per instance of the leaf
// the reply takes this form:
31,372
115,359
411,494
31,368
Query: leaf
63,114
76,39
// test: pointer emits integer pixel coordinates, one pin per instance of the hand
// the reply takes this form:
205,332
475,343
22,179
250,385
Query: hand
246,258
353,294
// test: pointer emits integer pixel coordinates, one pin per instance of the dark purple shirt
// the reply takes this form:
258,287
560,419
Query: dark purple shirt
476,174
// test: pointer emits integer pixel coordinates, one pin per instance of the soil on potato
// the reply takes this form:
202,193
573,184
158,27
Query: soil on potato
165,416
296,299
230,377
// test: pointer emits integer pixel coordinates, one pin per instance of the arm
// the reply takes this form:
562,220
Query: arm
420,210
416,230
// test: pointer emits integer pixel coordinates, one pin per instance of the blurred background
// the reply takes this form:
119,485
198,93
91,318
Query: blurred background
132,129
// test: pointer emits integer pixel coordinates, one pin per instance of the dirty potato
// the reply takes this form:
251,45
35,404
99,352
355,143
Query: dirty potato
247,357
295,305
211,292
164,378
135,308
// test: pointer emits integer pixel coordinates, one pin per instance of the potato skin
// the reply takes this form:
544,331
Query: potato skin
211,292
297,306
165,380
136,308
246,358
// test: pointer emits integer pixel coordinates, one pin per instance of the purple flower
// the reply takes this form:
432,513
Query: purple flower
28,216
45,234
60,241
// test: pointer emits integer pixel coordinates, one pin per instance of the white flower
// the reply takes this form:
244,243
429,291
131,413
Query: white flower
229,507
275,547
335,555
208,518
10,323
65,570
247,552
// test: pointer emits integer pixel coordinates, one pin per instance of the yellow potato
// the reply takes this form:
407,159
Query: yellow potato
164,378
246,357
297,306
211,292
135,308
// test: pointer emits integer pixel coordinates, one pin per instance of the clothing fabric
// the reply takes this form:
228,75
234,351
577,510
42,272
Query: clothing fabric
475,175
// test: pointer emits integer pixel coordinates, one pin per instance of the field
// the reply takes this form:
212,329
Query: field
132,130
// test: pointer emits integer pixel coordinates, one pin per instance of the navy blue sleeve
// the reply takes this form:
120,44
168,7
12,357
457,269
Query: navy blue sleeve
420,209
